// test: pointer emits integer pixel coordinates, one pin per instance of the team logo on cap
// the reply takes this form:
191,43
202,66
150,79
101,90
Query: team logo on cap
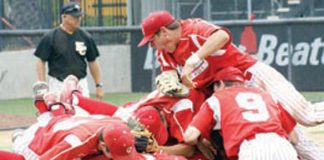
129,150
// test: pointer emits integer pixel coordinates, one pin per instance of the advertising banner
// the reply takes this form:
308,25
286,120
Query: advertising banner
294,49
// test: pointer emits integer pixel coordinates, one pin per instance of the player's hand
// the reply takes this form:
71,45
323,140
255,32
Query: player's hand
207,149
99,93
186,76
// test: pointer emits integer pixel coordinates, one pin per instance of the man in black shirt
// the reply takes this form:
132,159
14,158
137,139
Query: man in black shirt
67,49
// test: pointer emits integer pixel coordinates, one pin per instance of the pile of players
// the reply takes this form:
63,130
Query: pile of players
212,102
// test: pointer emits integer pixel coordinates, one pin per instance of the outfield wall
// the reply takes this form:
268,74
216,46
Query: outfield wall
18,72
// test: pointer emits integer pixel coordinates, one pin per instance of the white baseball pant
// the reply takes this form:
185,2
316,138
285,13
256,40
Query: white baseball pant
55,85
306,148
267,146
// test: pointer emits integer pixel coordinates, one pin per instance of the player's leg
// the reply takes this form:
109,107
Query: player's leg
72,93
39,89
85,87
267,146
306,148
93,106
278,86
54,84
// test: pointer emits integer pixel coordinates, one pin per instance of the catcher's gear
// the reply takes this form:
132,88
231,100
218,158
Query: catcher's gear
144,139
168,83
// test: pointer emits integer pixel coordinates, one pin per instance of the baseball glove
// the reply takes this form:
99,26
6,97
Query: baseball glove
169,84
144,139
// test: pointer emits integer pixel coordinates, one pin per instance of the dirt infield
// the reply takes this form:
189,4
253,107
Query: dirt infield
12,121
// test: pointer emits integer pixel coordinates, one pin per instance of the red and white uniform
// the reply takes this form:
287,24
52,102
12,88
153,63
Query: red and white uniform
63,137
177,112
194,34
247,118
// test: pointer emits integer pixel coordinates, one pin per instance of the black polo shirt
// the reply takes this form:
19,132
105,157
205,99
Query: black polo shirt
67,53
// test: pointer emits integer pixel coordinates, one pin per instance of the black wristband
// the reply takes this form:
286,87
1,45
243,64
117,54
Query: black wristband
99,85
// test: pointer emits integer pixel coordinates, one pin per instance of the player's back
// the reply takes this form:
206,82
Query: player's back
245,112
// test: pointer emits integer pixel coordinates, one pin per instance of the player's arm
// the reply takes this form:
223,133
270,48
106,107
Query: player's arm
95,72
183,115
179,149
200,125
40,68
214,42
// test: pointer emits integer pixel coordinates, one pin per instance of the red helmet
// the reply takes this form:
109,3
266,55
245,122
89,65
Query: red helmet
230,74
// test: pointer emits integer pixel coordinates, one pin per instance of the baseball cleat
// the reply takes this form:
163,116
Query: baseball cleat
40,88
70,85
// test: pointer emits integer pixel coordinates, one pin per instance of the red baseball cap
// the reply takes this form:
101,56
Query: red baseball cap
152,24
120,141
150,118
231,74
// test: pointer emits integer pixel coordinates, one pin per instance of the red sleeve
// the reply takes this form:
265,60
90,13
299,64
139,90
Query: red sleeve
287,121
204,120
165,60
206,29
179,123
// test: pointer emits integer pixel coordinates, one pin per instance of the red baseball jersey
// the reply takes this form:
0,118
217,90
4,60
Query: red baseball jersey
178,112
240,113
194,34
69,137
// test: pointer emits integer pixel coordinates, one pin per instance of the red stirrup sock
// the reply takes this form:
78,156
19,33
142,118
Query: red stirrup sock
93,106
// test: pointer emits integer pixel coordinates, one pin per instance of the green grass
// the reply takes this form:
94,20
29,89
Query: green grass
25,106
314,96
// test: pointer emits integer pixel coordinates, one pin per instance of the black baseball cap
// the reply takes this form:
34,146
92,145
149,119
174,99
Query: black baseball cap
72,9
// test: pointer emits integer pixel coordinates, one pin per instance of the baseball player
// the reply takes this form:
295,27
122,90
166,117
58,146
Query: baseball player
68,49
67,136
248,117
72,137
176,113
197,50
201,49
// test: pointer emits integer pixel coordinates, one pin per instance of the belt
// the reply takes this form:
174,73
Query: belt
251,137
60,79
